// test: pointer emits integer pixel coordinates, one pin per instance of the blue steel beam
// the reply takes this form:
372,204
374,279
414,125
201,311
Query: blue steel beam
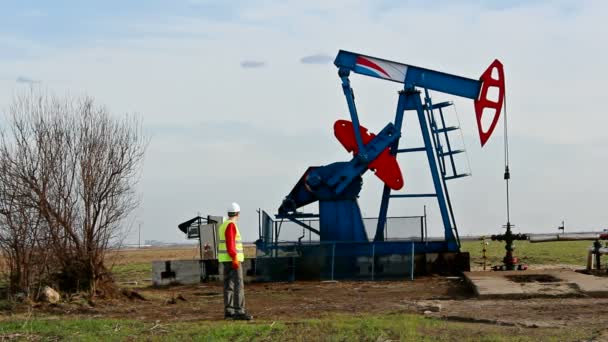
386,191
411,76
413,149
352,109
441,198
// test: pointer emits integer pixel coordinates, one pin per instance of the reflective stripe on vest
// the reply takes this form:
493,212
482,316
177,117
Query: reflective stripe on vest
222,250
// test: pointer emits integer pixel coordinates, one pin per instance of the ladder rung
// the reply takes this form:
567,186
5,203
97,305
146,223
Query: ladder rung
457,176
441,105
446,129
443,154
414,195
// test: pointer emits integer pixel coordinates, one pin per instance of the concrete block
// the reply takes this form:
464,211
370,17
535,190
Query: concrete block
536,283
171,272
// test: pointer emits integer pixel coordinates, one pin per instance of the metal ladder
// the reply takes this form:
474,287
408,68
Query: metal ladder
445,152
431,130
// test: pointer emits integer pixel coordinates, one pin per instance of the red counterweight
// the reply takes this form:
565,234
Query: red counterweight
483,102
385,166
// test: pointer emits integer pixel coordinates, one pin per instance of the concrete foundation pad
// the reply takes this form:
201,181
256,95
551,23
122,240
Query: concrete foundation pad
171,272
536,283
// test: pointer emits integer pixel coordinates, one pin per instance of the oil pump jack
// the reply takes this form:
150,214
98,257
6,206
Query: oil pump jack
336,186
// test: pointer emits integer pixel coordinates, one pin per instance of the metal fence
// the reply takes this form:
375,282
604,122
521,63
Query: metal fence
334,261
272,231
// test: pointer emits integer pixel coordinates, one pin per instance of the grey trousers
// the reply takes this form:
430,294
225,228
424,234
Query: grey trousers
234,290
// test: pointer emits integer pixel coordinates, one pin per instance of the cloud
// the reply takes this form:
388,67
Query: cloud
202,120
253,64
26,80
317,59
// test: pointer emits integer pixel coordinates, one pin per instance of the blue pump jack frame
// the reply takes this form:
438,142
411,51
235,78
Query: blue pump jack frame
411,77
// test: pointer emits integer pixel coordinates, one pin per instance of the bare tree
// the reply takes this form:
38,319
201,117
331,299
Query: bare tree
21,242
76,167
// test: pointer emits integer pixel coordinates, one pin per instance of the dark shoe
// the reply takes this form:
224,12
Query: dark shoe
228,316
242,317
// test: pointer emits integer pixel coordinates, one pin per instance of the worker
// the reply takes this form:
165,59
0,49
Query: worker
231,255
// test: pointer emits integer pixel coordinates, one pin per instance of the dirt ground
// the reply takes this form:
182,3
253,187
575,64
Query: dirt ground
444,297
447,298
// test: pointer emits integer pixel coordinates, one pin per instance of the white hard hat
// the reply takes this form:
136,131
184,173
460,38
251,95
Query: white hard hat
234,208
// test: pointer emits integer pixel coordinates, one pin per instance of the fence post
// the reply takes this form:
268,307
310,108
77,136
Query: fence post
426,233
276,241
373,259
386,230
421,229
333,256
412,268
293,268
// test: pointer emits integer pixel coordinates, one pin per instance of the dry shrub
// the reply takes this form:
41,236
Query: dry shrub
68,171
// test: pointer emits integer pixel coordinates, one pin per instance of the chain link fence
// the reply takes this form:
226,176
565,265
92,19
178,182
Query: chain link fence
291,252
411,228
335,261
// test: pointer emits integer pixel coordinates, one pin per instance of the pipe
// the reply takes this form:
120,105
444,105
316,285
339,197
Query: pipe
593,251
603,250
564,237
538,236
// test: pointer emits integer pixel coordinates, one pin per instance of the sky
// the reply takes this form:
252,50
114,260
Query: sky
239,98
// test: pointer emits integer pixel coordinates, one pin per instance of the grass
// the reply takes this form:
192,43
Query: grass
140,272
546,253
72,329
402,327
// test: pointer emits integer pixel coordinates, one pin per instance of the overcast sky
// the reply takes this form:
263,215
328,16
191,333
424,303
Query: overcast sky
239,98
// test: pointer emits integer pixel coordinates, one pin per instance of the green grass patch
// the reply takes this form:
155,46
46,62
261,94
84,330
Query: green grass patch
559,252
403,327
72,329
139,272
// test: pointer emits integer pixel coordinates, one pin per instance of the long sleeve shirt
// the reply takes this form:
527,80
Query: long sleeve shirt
230,240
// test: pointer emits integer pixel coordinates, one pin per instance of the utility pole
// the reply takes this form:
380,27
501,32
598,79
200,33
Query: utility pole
139,236
562,227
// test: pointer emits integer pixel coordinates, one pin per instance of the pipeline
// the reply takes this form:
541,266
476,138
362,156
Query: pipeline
547,237
567,237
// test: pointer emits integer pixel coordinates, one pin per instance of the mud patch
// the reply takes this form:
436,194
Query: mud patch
207,294
533,278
